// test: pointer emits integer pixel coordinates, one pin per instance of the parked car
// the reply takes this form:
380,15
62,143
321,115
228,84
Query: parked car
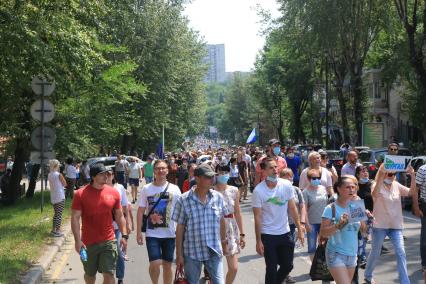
335,159
361,148
373,158
109,162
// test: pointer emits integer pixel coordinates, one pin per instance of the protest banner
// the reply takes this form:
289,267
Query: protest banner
396,163
357,211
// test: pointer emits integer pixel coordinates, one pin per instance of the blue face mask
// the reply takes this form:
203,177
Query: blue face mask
315,182
363,180
222,179
273,179
277,151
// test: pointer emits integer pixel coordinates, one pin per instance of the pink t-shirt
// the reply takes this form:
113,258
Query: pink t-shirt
281,164
387,206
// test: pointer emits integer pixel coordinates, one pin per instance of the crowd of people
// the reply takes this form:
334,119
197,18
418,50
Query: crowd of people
188,211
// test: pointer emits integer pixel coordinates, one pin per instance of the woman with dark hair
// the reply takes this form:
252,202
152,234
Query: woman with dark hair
234,223
342,245
364,192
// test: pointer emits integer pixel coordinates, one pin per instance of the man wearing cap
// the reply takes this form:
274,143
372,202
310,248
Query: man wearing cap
93,204
200,233
273,151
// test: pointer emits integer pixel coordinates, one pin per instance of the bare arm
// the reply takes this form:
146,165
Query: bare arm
139,236
257,228
180,229
62,180
121,222
295,215
378,182
75,227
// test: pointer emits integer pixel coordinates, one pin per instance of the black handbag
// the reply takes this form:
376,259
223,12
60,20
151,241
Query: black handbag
319,269
145,217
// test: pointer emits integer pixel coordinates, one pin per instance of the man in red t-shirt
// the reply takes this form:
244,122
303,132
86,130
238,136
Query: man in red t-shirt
96,204
273,151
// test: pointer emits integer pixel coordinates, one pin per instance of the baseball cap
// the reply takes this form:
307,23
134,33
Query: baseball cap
204,170
274,141
97,169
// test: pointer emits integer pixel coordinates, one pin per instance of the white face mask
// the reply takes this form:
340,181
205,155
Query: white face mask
388,181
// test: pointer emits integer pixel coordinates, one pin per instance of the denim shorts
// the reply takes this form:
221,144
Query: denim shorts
134,181
312,238
335,259
160,248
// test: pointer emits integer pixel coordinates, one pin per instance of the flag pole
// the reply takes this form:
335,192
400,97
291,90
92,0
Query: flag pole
164,148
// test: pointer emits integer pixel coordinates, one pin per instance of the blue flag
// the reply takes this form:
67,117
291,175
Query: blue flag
252,137
160,151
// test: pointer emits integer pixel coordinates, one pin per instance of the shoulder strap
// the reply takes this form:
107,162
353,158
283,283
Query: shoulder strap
158,200
333,212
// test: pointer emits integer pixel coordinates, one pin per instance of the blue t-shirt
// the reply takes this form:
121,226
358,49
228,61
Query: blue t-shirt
294,164
344,241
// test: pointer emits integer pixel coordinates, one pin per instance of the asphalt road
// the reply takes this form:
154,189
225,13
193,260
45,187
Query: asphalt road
67,267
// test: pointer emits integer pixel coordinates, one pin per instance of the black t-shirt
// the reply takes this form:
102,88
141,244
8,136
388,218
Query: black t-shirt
364,192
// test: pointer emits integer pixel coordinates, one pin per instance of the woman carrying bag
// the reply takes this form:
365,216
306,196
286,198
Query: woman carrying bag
342,244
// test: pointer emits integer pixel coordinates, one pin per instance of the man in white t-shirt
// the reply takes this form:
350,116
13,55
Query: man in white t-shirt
160,229
70,177
271,199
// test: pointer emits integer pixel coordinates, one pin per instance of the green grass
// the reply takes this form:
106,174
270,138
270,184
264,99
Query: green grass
24,231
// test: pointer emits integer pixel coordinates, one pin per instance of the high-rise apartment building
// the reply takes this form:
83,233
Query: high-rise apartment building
215,59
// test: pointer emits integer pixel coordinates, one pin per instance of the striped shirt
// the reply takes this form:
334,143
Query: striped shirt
202,223
421,181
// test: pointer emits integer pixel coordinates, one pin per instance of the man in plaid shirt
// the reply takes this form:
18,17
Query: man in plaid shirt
199,214
420,211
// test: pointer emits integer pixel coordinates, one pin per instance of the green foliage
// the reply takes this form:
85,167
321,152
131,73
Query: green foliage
122,70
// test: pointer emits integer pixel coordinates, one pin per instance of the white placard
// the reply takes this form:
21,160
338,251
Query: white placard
357,211
394,163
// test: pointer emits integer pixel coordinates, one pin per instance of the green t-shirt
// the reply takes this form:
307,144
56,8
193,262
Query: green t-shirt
149,170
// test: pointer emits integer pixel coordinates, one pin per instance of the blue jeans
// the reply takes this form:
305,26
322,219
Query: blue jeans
379,236
149,180
119,273
312,238
214,267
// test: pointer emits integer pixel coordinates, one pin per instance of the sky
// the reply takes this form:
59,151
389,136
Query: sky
234,23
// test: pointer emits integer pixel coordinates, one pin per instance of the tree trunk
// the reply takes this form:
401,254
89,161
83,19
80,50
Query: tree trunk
343,113
13,191
33,181
356,83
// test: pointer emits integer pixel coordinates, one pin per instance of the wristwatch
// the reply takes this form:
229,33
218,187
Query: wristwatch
125,237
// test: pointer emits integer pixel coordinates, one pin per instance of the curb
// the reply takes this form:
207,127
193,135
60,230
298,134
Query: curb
35,274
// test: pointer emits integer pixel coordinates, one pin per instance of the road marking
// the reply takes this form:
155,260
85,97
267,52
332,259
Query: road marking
60,265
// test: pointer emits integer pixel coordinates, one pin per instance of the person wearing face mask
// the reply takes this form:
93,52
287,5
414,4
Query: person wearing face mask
315,163
300,205
233,222
273,151
389,222
272,199
316,198
295,164
342,245
364,192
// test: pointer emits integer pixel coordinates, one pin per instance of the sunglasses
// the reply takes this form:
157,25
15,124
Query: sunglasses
391,174
393,149
315,178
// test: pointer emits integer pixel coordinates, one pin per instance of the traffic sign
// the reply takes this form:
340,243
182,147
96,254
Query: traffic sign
36,157
42,86
49,138
36,110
